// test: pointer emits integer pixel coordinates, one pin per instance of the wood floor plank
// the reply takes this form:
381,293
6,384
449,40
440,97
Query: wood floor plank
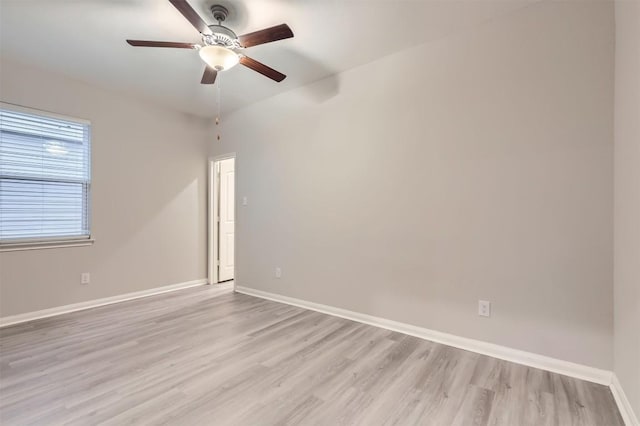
210,356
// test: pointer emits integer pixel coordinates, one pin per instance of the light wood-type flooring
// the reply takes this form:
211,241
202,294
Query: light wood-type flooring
199,357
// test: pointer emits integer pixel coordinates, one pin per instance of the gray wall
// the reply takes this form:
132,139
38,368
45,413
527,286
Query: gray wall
627,200
148,197
475,167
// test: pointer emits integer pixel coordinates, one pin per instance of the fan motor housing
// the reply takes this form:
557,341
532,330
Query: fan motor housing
222,36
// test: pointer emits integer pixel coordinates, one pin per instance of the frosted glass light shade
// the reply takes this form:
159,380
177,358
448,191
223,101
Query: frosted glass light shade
219,57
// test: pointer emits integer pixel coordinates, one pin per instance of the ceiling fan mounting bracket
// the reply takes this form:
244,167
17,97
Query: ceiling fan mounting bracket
220,13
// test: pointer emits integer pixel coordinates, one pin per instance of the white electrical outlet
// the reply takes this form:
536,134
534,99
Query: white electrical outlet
245,201
278,272
484,308
85,278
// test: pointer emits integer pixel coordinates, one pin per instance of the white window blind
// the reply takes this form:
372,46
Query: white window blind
45,176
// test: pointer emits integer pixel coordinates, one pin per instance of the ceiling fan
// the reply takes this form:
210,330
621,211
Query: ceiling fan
222,48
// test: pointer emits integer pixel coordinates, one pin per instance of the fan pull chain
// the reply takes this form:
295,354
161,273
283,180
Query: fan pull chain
219,82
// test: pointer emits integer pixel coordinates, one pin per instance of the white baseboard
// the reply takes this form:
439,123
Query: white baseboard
554,365
624,405
45,313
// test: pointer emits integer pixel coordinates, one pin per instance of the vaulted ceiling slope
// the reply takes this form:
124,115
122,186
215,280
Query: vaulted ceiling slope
86,40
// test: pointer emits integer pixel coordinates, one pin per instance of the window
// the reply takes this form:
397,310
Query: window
45,177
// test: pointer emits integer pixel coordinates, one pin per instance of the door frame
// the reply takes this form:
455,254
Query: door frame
212,229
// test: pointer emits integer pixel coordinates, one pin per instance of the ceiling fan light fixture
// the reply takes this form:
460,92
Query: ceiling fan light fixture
219,57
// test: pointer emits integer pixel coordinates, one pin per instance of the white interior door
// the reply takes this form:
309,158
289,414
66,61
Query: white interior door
226,233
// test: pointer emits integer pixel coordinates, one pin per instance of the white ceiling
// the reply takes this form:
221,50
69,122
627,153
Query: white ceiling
86,40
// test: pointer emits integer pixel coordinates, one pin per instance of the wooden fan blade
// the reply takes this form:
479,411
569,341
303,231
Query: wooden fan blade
178,45
191,15
279,32
209,76
262,69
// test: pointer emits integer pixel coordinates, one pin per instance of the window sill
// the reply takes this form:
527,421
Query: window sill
40,245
